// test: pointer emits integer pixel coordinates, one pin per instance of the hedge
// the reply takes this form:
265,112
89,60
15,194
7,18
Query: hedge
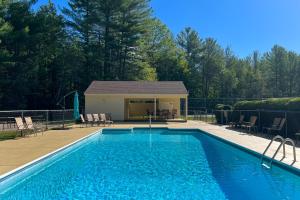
286,104
268,109
223,107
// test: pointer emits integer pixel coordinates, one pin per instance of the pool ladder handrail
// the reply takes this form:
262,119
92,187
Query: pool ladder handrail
293,145
282,143
150,121
277,137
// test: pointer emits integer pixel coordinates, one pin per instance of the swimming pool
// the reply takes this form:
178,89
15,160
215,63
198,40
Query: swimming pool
161,164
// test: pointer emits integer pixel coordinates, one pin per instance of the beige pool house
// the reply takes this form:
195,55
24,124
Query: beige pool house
137,100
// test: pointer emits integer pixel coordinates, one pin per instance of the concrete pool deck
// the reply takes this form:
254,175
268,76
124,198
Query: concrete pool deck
15,153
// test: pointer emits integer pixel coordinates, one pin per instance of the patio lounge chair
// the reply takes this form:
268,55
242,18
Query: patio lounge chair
238,123
105,120
276,123
225,112
251,124
31,126
20,125
83,120
97,119
108,118
90,119
277,129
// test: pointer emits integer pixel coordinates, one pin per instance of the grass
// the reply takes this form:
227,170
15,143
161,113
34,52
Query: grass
8,135
12,134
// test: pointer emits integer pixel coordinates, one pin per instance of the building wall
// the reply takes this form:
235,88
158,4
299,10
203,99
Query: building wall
116,105
105,104
140,109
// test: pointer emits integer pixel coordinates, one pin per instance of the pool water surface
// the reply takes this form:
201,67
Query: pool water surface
156,164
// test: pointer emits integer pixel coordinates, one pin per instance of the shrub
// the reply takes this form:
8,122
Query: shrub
221,115
7,135
271,108
223,107
287,104
294,104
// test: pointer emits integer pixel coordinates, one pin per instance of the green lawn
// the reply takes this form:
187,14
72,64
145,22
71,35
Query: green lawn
8,135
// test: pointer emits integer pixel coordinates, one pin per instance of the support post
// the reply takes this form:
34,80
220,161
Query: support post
64,113
286,124
47,118
64,106
259,121
186,109
154,109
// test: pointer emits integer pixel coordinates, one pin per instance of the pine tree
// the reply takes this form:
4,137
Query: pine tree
191,44
81,20
277,65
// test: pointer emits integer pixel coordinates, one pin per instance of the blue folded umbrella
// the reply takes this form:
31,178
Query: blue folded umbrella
76,113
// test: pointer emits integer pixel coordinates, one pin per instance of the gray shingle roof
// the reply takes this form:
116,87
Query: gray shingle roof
136,87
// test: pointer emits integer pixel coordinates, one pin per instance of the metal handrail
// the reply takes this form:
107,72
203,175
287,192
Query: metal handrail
282,144
294,147
274,139
277,150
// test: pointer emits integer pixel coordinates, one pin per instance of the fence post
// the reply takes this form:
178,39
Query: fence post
222,117
286,125
47,118
259,120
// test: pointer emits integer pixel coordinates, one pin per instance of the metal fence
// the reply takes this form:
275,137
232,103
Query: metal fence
203,109
203,114
48,118
54,118
264,119
210,103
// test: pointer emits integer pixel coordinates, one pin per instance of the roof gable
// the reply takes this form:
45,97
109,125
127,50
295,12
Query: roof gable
136,87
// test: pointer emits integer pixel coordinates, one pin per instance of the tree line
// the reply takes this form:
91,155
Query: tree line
45,53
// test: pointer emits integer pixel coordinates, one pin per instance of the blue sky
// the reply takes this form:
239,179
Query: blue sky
243,25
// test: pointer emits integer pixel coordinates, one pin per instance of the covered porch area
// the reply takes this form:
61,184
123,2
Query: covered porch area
159,108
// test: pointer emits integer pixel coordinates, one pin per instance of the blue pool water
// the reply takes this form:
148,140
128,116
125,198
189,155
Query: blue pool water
166,164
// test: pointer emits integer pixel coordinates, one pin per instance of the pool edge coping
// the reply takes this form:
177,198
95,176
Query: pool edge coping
21,168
